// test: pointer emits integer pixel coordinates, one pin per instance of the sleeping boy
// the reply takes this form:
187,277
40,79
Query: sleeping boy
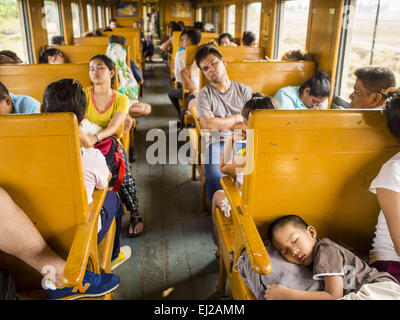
342,272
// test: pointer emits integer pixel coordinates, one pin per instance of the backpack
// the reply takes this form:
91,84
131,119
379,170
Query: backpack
7,286
111,150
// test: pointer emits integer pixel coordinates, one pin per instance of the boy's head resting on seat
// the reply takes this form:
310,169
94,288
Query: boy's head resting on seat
258,101
293,238
65,95
392,110
315,90
370,81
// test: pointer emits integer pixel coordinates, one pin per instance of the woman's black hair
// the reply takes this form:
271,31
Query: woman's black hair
248,38
259,102
204,52
194,36
65,95
320,85
49,52
224,35
117,39
392,111
108,62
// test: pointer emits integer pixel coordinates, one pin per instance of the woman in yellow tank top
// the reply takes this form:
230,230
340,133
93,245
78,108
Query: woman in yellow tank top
108,109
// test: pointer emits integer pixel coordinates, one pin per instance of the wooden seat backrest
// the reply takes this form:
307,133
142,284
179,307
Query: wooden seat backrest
317,164
83,53
230,54
269,76
41,169
32,79
103,41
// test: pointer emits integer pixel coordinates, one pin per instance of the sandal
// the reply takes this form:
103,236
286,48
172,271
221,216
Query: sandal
134,222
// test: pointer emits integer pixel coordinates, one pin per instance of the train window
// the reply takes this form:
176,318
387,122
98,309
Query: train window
12,29
108,14
198,14
370,41
215,18
76,19
292,21
252,17
53,19
205,15
100,17
90,15
230,19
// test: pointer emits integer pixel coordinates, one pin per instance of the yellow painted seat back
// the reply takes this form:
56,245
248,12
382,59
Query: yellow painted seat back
317,164
268,77
41,169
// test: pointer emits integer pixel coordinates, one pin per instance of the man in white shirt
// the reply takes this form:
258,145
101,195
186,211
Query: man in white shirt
188,37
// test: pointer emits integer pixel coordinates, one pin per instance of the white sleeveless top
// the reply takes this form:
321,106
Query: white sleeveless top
382,245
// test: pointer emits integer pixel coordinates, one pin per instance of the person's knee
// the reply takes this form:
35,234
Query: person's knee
139,109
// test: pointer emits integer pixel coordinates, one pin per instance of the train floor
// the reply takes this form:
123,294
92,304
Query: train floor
174,257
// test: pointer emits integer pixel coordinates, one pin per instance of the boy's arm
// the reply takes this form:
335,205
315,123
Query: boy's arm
333,290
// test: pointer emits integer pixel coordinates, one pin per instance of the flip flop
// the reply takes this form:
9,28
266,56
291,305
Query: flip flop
133,222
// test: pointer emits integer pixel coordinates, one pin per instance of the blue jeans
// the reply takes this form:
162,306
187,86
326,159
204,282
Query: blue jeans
112,207
212,173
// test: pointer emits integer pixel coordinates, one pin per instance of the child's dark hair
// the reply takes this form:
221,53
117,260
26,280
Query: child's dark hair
107,61
284,220
259,102
224,35
117,39
248,38
320,85
65,95
204,52
392,111
3,91
194,36
49,52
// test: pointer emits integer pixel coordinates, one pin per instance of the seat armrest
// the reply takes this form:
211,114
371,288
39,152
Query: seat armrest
82,245
249,235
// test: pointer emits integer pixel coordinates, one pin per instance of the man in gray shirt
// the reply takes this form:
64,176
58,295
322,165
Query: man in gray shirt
219,105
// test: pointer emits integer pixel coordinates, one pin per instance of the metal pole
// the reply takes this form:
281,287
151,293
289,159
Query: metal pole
375,29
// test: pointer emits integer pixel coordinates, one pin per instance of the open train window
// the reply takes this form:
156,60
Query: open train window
370,33
76,19
100,16
90,16
230,19
108,14
14,29
198,14
53,19
252,17
292,26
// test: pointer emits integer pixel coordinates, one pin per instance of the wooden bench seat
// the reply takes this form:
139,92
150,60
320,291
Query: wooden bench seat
317,164
41,169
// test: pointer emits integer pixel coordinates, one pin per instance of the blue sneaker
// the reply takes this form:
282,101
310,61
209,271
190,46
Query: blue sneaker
93,285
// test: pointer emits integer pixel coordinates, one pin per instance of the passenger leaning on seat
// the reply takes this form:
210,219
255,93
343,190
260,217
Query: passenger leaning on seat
312,94
341,270
51,56
385,253
108,109
67,96
233,158
13,103
128,86
219,106
370,82
20,238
